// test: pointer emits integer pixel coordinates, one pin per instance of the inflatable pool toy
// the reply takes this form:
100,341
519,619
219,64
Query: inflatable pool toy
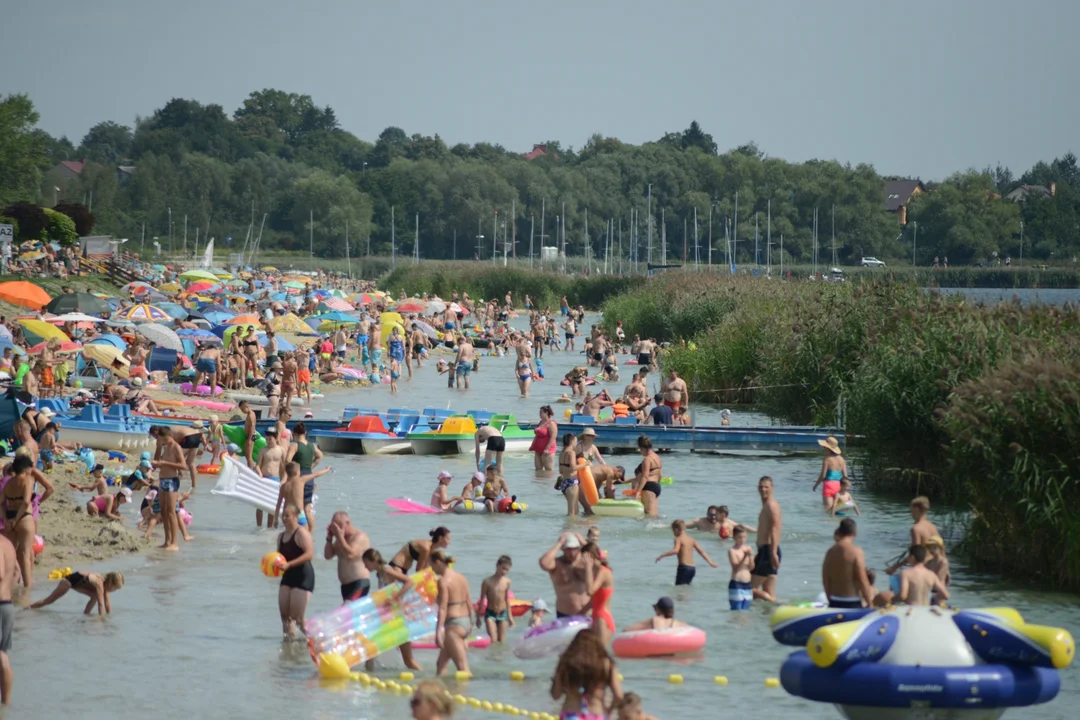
619,508
271,563
39,544
201,390
235,434
667,480
478,642
185,516
651,643
842,509
363,629
550,638
208,404
208,469
237,481
587,381
506,506
406,505
946,663
588,484
59,573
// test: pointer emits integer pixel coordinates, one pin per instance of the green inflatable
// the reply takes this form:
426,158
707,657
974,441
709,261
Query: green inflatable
235,434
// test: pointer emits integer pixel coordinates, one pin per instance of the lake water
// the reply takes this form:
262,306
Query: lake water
1046,296
197,635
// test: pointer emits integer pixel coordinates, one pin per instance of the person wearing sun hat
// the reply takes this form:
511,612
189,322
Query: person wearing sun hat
833,471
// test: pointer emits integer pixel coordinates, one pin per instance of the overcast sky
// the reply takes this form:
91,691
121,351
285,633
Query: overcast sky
920,87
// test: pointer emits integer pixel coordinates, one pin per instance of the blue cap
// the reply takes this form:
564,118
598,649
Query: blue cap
494,464
146,456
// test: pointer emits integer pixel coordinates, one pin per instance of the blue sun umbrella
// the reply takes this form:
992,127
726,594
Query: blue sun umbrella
200,335
175,310
115,340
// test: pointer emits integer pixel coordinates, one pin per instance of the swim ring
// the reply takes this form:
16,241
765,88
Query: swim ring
650,643
478,642
550,638
204,390
619,508
208,469
507,506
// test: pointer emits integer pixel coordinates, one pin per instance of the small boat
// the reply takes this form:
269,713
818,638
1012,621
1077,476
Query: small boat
517,439
454,437
351,439
94,429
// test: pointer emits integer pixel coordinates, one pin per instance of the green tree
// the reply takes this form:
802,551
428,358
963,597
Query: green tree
60,228
80,215
22,150
108,143
331,201
964,219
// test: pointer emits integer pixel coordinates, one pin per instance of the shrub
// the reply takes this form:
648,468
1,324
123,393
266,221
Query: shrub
31,220
61,228
84,219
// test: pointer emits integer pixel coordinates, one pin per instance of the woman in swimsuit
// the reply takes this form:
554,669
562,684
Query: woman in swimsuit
298,577
567,482
19,524
587,448
833,470
307,455
251,352
602,588
524,368
647,479
455,614
94,586
545,441
386,574
583,677
418,551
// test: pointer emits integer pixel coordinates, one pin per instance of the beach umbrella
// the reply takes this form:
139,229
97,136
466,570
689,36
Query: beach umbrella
143,313
24,294
288,323
138,286
204,336
334,316
158,268
409,306
175,310
162,337
236,283
75,318
217,307
216,317
283,345
454,307
67,346
32,255
244,320
362,299
38,330
331,304
436,306
427,329
338,293
109,339
269,268
105,356
202,286
171,288
294,285
78,302
200,275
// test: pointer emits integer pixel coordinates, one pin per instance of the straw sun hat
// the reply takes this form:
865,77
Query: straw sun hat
830,443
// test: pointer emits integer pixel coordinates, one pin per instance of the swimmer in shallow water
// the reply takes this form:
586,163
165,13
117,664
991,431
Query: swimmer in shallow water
844,501
94,586
833,470
495,599
684,549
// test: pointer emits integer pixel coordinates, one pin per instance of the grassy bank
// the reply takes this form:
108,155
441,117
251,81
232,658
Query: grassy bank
483,280
972,404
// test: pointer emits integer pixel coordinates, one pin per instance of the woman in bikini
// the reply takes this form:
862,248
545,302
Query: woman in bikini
387,574
94,586
583,677
251,353
455,620
602,588
298,576
19,524
545,442
419,551
567,482
833,470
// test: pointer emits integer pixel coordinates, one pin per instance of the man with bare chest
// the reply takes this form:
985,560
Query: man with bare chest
571,574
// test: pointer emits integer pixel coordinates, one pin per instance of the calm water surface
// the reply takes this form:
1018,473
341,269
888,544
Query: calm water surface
197,634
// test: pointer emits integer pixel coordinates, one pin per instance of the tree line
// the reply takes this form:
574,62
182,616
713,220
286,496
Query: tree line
282,166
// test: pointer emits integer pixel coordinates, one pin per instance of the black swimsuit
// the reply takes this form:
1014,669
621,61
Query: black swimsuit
413,553
302,577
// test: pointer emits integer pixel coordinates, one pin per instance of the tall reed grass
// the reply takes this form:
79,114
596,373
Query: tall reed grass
978,404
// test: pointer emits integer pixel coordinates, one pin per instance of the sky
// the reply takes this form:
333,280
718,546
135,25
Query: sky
920,88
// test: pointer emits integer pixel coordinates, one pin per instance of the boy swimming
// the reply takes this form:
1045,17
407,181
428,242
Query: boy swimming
684,549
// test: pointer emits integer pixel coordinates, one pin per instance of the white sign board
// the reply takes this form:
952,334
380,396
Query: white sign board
7,233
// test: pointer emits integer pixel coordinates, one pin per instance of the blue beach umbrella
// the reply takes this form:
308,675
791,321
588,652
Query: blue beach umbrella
115,340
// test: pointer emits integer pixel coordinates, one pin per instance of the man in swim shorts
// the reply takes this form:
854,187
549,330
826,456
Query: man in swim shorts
348,544
741,558
844,571
568,574
464,361
767,562
272,467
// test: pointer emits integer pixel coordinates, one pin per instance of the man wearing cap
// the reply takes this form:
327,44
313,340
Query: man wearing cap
495,446
833,470
571,574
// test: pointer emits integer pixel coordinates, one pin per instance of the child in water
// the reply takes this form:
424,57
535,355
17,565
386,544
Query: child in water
494,487
538,612
843,501
741,557
630,708
495,594
439,498
395,373
684,549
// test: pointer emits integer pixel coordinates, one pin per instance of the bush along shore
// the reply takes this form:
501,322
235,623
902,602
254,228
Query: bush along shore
486,280
968,403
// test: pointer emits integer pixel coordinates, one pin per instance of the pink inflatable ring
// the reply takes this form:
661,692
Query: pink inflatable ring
477,642
651,643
